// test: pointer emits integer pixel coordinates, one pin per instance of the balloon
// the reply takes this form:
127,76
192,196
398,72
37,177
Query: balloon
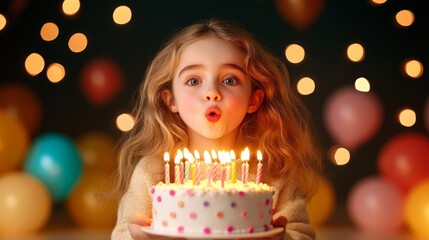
300,13
416,209
352,117
404,160
98,151
322,204
14,141
85,208
55,160
101,80
25,204
375,205
21,102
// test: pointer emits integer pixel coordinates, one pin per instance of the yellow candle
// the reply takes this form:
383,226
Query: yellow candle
233,167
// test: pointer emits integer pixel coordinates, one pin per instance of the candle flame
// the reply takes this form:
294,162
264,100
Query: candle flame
191,158
177,159
166,157
245,155
259,155
197,154
180,154
232,154
207,158
214,156
186,153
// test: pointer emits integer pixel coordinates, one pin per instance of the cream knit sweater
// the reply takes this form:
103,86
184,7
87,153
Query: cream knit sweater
287,201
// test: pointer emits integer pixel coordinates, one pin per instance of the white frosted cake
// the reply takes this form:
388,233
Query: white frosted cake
202,209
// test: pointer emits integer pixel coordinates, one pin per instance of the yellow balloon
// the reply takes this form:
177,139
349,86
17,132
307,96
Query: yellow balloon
14,141
322,204
417,209
25,204
98,151
85,205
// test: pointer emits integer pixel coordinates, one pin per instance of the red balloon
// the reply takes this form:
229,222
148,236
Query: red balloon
300,13
21,102
404,160
101,80
352,117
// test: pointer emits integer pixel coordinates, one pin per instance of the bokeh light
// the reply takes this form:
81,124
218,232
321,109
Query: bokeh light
378,2
413,68
362,85
339,155
122,15
71,7
78,42
3,22
34,64
405,18
55,72
407,117
295,53
306,86
125,122
355,52
49,31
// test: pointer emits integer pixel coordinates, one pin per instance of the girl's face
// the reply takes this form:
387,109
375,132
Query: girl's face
211,91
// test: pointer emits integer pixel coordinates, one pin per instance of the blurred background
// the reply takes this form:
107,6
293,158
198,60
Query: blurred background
71,70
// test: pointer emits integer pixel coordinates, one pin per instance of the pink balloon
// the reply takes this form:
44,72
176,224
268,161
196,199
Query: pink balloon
404,160
376,206
352,117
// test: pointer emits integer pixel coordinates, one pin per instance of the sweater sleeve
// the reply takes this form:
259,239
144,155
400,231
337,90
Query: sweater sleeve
137,199
290,204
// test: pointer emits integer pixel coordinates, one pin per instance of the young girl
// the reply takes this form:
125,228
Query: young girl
213,86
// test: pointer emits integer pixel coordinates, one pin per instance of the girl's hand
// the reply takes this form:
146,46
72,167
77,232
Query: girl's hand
135,222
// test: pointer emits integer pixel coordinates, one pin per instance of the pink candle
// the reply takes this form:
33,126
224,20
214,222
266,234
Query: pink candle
215,165
222,173
243,167
259,171
167,168
208,161
181,167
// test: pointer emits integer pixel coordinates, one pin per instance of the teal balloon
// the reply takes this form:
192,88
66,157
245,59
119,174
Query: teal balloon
55,160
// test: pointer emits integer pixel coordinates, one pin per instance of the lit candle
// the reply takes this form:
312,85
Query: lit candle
177,161
233,167
243,166
187,165
222,169
215,165
247,163
197,157
182,168
208,161
192,170
259,171
167,168
228,167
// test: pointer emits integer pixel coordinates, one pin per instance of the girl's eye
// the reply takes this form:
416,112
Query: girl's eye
230,81
193,82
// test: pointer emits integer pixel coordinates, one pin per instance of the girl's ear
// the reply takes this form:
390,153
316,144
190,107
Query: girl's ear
255,101
168,99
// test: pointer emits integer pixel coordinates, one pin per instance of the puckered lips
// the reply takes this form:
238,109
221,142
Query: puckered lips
213,114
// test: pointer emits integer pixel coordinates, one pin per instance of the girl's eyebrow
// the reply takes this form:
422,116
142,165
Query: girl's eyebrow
199,66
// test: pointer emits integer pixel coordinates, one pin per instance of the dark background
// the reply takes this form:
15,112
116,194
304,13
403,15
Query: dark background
132,46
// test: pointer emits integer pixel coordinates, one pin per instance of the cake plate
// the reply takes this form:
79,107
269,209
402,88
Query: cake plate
256,235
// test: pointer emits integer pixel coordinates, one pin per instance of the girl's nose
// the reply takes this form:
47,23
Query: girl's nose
213,94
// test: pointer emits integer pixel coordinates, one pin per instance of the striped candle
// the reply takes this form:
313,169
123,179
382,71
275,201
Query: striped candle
233,167
167,168
208,161
259,171
177,170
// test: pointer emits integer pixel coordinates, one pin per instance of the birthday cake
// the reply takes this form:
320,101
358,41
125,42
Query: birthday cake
212,208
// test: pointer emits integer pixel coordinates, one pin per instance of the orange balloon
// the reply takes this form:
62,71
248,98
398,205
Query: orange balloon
417,209
25,204
14,141
84,206
322,204
300,13
21,102
98,151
